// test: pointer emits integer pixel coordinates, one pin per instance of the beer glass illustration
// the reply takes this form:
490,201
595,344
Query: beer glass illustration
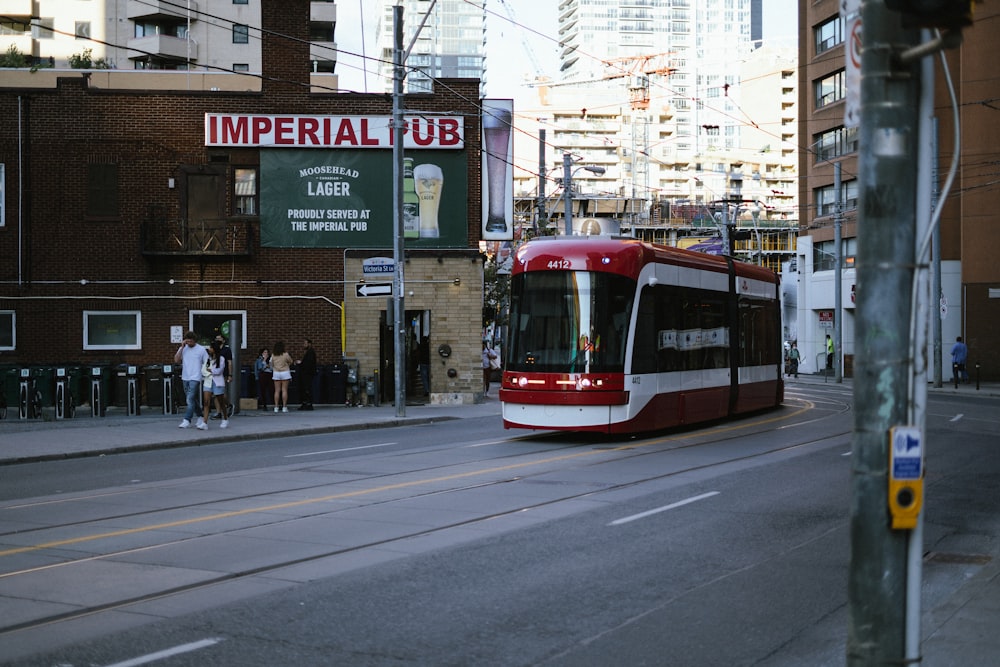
496,139
429,181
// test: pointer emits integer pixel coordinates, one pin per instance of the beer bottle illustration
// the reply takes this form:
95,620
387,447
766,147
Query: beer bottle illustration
411,202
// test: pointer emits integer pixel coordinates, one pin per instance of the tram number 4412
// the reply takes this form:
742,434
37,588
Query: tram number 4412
558,264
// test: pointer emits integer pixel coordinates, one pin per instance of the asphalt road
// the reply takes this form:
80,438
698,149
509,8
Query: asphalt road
459,544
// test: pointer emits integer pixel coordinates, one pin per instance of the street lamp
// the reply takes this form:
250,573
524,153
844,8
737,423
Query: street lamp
568,172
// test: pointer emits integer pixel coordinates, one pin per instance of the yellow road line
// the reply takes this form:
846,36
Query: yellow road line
361,492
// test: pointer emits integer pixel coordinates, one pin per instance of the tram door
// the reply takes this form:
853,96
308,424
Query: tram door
417,324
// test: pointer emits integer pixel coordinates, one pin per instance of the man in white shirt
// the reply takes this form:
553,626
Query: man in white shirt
192,358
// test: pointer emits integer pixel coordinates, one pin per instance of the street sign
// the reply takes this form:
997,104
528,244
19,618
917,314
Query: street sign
373,289
383,266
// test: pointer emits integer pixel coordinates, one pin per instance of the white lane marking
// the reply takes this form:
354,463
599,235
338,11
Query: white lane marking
343,449
168,653
957,417
679,503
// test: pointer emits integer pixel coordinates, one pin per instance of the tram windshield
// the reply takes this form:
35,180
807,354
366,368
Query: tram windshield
569,322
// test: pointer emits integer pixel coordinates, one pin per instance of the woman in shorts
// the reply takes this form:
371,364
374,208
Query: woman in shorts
281,363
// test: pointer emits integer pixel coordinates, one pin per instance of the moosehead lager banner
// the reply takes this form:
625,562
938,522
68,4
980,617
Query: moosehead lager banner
343,198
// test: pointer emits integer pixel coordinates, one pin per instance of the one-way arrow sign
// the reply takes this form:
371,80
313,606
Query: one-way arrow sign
373,289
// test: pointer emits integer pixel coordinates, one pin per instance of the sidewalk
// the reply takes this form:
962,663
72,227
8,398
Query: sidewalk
961,628
46,439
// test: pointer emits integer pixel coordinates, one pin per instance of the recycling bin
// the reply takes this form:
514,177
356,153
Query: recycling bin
153,375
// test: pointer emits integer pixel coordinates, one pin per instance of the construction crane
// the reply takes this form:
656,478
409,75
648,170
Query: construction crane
638,69
540,78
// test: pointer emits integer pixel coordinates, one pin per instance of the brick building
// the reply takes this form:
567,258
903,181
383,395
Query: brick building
122,224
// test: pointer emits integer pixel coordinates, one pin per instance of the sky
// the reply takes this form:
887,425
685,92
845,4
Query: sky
507,60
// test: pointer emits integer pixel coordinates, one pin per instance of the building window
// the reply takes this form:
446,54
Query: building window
102,190
825,257
241,34
210,323
112,330
245,191
241,67
830,89
43,29
836,142
81,30
8,330
241,2
829,34
826,198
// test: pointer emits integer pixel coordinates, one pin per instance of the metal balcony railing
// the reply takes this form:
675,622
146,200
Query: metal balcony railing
197,238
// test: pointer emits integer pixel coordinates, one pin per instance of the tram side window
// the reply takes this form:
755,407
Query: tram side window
645,344
680,328
760,332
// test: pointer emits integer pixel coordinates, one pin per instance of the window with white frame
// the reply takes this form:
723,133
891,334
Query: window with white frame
830,89
112,330
8,330
245,191
829,34
826,198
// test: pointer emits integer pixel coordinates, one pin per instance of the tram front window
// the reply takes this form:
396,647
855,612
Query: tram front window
569,322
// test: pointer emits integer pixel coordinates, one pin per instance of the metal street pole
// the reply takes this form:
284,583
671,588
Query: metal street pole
399,331
887,175
568,193
838,292
541,180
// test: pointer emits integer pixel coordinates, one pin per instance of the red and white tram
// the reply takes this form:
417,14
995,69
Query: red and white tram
617,335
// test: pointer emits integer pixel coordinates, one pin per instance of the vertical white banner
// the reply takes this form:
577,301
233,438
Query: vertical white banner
497,168
850,13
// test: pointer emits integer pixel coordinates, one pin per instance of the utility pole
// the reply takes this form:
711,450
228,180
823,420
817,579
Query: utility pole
838,291
568,193
541,180
887,177
398,316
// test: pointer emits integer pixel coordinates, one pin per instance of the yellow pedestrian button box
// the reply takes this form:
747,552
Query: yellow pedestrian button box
906,476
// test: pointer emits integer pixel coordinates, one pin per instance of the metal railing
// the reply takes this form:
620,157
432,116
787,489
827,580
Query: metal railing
205,237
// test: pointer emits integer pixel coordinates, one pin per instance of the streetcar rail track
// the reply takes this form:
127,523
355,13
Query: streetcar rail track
716,435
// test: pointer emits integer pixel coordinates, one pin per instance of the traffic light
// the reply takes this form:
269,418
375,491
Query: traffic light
945,14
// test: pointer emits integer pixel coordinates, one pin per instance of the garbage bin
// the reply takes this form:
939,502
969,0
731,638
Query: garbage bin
154,385
337,384
119,397
293,389
45,383
248,388
98,383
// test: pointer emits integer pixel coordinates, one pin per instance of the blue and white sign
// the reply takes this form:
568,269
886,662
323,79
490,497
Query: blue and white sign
378,266
907,453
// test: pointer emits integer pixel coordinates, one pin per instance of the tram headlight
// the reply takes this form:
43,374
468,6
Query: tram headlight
522,382
585,383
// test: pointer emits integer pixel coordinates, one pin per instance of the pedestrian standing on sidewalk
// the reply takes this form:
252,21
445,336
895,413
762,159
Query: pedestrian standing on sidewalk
829,352
793,360
959,357
262,375
488,357
281,363
307,371
227,354
192,358
212,387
